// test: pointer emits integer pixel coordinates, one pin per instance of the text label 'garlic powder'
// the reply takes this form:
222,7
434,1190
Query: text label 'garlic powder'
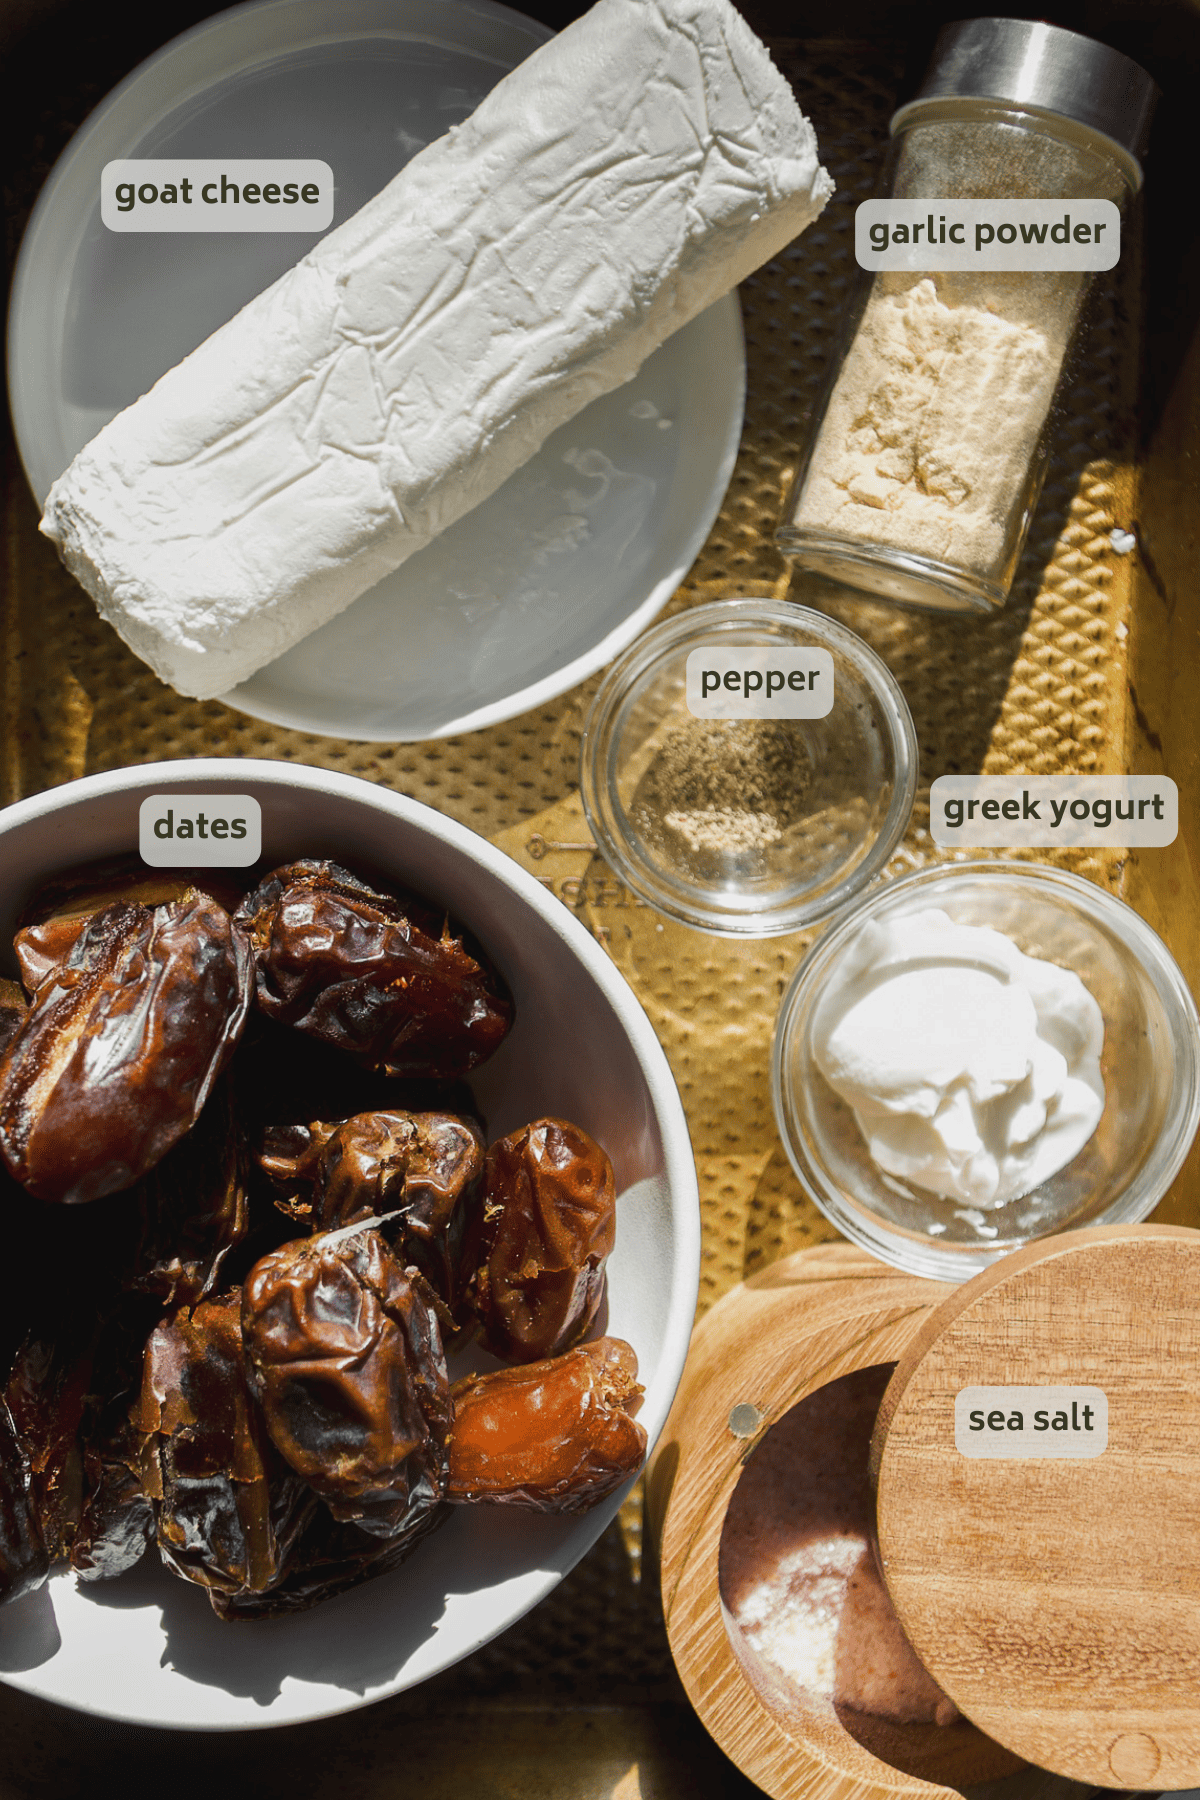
1019,235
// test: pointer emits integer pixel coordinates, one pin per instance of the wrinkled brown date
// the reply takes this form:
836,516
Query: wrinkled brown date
45,1396
329,1558
24,1563
358,970
121,1047
55,918
549,1225
228,1508
428,1164
116,1520
185,1216
555,1436
42,949
346,1359
13,1008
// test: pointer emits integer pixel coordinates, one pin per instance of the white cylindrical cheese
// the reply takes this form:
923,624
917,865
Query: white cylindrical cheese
616,183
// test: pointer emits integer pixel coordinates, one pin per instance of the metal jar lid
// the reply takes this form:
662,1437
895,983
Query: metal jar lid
1025,63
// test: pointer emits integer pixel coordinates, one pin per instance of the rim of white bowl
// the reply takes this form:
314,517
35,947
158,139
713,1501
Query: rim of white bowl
186,58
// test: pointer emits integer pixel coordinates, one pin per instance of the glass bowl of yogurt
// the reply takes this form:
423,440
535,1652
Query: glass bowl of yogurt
981,1054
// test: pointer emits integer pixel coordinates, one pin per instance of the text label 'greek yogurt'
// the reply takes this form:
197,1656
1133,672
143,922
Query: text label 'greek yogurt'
757,681
206,194
1009,810
208,831
1019,1422
987,234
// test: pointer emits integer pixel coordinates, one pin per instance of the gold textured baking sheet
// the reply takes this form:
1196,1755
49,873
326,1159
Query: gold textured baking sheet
1043,686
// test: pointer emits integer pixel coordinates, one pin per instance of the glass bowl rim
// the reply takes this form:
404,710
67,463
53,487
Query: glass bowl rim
733,612
1105,911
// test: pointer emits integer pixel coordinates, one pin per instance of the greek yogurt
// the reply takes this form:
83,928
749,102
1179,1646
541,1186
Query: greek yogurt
972,1069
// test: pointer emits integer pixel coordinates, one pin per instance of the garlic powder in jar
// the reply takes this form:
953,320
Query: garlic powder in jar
930,449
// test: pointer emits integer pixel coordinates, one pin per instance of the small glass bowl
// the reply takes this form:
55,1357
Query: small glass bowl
747,827
1150,1067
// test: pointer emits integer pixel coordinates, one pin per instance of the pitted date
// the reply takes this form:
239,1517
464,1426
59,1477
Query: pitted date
364,971
549,1225
428,1165
554,1436
121,1047
227,1507
346,1359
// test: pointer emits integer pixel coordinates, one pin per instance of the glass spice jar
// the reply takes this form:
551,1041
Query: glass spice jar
930,447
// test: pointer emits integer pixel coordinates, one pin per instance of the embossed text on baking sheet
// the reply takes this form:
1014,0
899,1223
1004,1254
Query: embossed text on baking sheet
1018,1422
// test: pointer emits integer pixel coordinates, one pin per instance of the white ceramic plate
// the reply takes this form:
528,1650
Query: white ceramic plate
146,1648
576,553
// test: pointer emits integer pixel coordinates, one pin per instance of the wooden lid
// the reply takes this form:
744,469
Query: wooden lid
1042,1546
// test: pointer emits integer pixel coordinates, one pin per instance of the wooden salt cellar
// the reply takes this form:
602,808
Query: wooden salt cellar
1056,1597
806,1321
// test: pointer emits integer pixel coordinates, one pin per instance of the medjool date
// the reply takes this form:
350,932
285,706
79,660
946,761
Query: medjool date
227,1506
370,973
45,1397
549,1225
184,1217
13,1008
329,1558
346,1359
43,949
428,1165
116,1519
72,1382
24,1563
555,1436
55,918
121,1047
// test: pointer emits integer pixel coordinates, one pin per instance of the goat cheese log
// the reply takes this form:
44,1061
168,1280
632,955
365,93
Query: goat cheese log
626,175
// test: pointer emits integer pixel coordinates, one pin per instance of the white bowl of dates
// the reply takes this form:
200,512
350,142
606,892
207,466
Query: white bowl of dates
349,1210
